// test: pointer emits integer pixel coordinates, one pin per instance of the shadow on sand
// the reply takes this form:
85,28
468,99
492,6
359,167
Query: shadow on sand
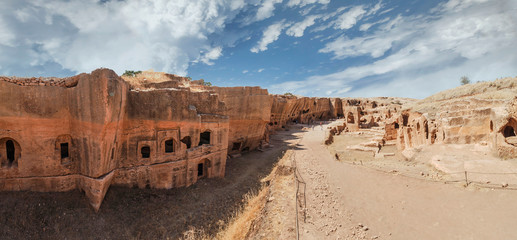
128,213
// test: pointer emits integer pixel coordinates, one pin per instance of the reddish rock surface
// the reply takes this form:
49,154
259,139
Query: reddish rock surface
160,130
99,132
152,130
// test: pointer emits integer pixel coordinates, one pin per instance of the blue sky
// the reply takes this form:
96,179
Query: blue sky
345,48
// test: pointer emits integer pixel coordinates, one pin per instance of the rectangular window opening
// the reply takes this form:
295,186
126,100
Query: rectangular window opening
64,150
169,146
200,170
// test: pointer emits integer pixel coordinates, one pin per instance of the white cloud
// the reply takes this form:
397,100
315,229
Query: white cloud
269,35
260,70
245,71
85,35
374,45
326,17
297,29
348,19
266,9
301,3
375,8
365,27
213,54
427,54
6,35
307,10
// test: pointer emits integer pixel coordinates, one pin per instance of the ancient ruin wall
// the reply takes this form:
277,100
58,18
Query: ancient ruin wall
481,113
372,112
248,110
291,109
93,130
163,145
55,128
98,132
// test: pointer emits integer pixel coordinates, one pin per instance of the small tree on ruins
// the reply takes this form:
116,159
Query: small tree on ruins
130,73
464,80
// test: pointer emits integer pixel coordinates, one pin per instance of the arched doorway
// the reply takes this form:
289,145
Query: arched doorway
350,118
202,168
508,131
10,151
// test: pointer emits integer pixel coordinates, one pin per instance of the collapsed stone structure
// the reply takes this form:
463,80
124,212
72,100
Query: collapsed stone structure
372,114
481,113
153,130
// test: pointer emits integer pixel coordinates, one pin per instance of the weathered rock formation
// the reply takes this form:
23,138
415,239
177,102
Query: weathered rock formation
483,113
99,132
248,109
292,109
150,130
162,131
362,113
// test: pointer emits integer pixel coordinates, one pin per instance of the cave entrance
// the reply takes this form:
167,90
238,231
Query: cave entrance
64,150
187,141
9,147
426,129
169,146
350,118
405,119
204,138
508,131
145,151
236,146
200,168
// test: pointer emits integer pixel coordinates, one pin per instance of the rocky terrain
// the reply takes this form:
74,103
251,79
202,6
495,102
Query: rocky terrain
354,165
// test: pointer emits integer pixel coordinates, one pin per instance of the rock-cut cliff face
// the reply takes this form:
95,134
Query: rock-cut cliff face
482,113
94,130
291,109
57,136
248,110
162,131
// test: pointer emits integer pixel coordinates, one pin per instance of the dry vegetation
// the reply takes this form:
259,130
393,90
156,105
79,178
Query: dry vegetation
140,80
267,213
144,77
501,89
202,209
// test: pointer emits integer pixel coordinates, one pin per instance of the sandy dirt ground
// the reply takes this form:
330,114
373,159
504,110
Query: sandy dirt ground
347,201
342,200
127,213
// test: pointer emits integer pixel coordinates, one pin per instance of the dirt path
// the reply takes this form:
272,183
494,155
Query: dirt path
342,197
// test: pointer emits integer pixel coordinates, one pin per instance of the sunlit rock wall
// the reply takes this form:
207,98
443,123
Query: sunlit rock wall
91,130
248,110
